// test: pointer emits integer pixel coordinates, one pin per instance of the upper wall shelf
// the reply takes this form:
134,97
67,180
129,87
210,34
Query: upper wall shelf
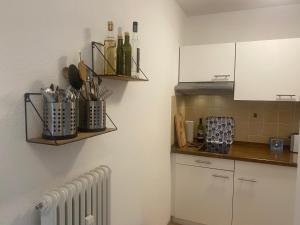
122,77
98,46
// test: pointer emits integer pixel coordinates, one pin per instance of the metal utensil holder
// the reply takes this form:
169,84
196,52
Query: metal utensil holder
92,115
60,120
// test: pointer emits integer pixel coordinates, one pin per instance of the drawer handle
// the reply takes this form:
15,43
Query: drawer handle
248,180
290,97
220,176
221,77
203,162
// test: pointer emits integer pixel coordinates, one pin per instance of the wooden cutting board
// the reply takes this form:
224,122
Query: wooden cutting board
180,131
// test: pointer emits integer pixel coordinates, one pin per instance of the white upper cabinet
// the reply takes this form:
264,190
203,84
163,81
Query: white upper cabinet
207,63
268,70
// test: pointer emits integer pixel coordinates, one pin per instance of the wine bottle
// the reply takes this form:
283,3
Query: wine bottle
110,51
135,69
200,131
120,54
127,55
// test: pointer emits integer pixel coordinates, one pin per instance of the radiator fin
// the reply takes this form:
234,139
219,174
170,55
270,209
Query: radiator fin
87,195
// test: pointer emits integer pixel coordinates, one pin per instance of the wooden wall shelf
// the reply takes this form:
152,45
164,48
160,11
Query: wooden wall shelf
98,46
40,140
81,136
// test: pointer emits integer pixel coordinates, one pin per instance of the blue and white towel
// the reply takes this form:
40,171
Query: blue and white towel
220,129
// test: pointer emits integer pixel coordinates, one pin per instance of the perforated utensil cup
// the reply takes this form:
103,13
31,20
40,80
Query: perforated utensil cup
92,115
60,120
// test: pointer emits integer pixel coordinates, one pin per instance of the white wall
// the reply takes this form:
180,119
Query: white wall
38,38
248,25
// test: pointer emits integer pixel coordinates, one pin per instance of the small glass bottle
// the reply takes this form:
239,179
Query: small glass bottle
120,54
127,55
110,51
135,69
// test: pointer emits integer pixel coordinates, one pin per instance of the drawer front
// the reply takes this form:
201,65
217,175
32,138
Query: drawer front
207,162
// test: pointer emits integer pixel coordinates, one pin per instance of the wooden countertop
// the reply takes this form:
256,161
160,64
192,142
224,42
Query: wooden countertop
243,151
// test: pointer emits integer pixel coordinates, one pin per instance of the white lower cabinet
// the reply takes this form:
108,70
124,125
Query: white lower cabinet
203,195
263,194
259,194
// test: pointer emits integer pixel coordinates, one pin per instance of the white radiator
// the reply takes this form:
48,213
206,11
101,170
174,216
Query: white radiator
83,201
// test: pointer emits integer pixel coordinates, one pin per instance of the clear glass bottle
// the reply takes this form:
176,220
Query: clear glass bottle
120,54
135,65
127,55
110,51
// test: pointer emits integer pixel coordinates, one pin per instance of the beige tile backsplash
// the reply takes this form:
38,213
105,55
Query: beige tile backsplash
255,121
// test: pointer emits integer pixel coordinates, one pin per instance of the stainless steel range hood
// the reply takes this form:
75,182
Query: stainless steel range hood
205,88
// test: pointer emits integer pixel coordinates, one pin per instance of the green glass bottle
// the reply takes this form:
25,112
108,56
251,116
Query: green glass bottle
200,131
120,54
127,55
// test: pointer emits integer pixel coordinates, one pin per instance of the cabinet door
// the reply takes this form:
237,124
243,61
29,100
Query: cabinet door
203,195
264,194
206,63
268,70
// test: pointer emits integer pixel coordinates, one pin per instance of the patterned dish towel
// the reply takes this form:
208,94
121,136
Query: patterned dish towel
220,129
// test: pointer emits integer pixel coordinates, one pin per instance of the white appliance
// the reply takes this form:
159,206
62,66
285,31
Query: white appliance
85,200
295,143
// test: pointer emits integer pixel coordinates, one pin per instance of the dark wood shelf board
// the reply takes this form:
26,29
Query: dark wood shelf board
122,78
245,151
81,136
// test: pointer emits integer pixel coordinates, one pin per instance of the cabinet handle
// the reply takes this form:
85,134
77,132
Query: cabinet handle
220,176
203,162
290,97
248,180
225,76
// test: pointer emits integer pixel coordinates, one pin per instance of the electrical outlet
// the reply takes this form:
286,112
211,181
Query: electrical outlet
90,220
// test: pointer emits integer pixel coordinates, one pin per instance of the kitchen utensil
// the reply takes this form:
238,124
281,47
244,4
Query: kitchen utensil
181,138
60,113
71,94
65,72
189,131
92,115
74,77
48,95
91,80
295,143
60,120
103,93
92,75
84,76
52,87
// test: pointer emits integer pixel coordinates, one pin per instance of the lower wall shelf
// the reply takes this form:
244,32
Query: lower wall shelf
43,141
81,136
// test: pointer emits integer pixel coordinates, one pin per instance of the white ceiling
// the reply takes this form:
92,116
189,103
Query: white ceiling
200,7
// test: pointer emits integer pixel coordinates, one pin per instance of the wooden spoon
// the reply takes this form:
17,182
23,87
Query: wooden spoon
84,77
